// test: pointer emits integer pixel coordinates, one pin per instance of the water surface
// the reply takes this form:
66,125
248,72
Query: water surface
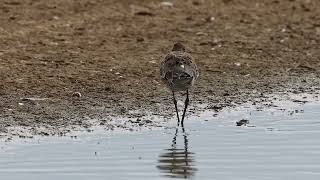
277,145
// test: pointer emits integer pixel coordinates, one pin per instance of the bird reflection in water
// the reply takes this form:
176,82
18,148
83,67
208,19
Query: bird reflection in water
177,162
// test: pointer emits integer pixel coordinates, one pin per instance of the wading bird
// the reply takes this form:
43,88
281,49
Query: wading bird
178,71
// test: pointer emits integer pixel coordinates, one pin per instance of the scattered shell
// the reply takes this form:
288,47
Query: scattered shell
237,64
201,34
166,4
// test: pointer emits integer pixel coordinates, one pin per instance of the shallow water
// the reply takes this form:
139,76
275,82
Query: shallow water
276,145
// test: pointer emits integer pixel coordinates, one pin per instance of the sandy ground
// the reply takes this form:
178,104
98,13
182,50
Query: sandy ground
109,51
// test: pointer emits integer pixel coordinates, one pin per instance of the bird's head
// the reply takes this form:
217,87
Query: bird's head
179,47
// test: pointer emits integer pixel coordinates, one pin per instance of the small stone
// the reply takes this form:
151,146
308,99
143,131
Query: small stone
12,18
210,19
123,110
44,133
226,94
148,121
210,43
216,107
144,13
189,18
76,94
196,3
140,39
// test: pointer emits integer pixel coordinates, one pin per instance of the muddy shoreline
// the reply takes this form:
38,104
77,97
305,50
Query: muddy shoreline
109,52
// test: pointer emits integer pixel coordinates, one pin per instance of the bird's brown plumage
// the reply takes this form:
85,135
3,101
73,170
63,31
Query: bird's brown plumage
178,69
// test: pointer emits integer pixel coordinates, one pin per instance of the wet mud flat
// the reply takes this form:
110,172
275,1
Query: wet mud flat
66,65
278,143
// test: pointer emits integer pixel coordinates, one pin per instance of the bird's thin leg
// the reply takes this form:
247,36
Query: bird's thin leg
175,104
186,103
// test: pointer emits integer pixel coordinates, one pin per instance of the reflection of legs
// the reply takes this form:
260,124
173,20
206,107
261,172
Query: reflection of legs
174,149
186,158
185,137
175,105
186,103
174,140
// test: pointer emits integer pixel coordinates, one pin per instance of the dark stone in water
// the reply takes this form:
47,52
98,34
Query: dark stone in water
242,122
